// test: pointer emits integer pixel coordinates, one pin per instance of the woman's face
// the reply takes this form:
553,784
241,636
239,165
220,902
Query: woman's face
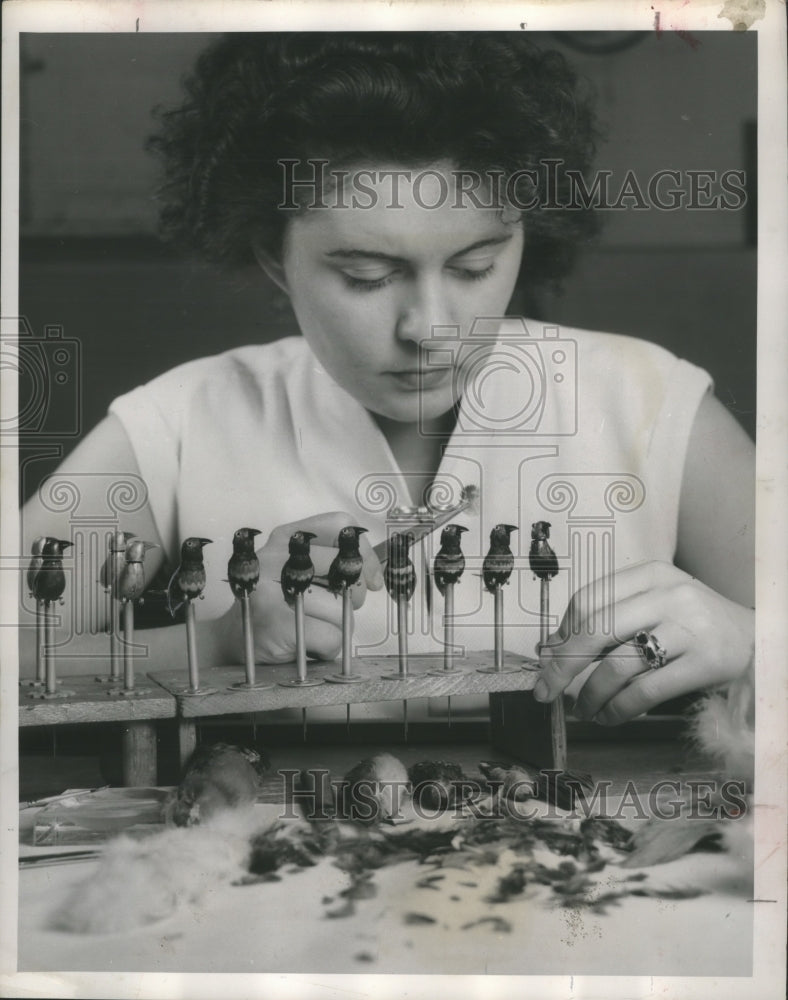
370,285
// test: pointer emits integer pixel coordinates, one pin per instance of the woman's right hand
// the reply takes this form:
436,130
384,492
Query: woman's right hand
274,620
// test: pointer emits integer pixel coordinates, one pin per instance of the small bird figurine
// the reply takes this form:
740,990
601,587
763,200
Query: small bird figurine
116,559
449,562
216,778
131,582
50,580
188,581
243,569
298,571
499,561
345,570
399,574
541,557
36,551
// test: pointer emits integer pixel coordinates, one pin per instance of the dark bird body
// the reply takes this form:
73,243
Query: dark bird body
131,582
449,563
438,784
50,580
216,778
399,574
345,569
116,559
298,571
188,581
36,550
243,569
542,559
499,561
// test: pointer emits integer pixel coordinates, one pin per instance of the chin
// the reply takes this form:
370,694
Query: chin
425,411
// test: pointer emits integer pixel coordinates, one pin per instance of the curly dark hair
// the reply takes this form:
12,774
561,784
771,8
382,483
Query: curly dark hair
481,100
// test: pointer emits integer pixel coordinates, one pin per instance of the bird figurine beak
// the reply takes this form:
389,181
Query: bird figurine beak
206,541
64,544
510,527
255,531
309,535
460,527
360,531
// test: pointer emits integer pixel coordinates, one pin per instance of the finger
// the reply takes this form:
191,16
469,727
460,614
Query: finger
606,591
323,640
563,659
323,606
649,689
621,666
372,574
325,528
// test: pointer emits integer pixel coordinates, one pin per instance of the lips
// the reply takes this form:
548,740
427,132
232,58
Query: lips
421,378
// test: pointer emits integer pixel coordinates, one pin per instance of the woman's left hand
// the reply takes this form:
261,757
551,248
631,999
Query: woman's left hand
708,640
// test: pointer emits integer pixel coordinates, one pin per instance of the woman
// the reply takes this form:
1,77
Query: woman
398,188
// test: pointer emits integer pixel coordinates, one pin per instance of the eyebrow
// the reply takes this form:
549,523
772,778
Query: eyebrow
377,255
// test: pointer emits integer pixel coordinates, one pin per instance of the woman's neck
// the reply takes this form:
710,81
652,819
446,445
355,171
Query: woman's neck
418,449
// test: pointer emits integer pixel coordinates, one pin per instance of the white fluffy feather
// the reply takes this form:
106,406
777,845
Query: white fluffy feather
724,727
139,882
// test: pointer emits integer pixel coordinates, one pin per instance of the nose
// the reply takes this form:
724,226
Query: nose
426,305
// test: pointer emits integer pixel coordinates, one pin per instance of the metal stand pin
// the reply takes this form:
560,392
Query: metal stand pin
344,572
109,578
243,574
448,568
297,574
399,576
131,588
496,570
544,565
34,566
49,583
186,586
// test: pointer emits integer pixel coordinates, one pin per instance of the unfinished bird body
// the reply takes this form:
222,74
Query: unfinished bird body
49,581
188,581
298,571
346,567
131,582
449,563
541,558
115,561
519,782
216,778
399,574
499,562
243,569
373,790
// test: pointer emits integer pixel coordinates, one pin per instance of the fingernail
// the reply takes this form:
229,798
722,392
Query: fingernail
541,690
